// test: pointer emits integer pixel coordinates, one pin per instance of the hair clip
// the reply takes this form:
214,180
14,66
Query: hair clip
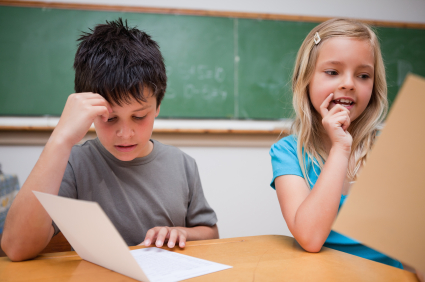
317,38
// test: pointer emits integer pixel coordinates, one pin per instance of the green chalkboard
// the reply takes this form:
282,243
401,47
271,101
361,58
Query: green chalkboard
217,67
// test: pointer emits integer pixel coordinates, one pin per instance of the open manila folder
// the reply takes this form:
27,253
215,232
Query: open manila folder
386,206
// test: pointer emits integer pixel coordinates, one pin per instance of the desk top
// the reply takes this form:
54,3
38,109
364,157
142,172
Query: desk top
258,258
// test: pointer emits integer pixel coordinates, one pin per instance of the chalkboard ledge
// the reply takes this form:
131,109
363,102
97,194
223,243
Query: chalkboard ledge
48,123
35,131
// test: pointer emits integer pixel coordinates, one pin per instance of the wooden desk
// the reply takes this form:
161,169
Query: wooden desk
258,258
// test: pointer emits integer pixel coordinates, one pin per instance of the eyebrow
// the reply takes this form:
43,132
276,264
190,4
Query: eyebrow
333,63
340,63
367,66
142,108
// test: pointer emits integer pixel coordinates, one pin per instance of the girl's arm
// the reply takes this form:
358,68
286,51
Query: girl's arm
28,228
310,214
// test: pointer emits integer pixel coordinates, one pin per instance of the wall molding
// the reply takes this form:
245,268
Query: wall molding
210,13
178,139
190,126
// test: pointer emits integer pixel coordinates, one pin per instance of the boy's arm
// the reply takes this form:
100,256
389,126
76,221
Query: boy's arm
160,234
28,228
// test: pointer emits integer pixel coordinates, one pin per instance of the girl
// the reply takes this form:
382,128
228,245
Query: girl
340,98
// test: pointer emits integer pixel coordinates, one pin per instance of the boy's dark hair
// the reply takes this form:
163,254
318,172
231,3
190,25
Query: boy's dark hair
118,62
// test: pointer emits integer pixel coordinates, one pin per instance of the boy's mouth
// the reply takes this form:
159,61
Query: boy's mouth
125,148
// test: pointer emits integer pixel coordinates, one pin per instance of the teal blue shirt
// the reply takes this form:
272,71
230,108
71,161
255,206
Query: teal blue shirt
285,162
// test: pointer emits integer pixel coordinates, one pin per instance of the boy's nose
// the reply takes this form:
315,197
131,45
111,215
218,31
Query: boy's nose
125,132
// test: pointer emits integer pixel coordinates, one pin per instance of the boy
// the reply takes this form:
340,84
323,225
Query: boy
150,191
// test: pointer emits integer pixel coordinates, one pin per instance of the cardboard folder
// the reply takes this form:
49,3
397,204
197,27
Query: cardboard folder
386,206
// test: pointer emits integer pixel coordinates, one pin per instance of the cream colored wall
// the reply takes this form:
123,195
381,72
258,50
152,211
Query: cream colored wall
236,184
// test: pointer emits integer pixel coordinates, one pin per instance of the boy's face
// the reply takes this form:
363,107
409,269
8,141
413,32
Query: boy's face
127,132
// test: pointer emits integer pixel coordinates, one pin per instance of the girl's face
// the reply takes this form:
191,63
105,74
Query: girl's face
344,67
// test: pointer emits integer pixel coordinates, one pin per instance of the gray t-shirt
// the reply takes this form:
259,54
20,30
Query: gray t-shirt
161,189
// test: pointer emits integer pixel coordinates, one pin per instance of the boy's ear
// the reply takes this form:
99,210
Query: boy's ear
157,110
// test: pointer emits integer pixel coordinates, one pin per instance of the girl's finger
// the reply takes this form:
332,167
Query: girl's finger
339,114
325,105
338,108
335,118
344,121
346,124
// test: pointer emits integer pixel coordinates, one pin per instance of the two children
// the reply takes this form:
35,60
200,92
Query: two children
340,98
151,192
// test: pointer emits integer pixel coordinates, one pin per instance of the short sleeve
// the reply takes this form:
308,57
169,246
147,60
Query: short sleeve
199,212
67,189
284,159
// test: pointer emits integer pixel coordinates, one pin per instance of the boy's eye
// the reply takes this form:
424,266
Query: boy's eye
331,72
139,118
112,119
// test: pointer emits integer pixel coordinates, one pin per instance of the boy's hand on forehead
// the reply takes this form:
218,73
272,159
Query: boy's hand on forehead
80,111
336,122
158,235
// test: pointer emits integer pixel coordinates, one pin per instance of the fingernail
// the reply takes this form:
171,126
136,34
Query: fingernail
147,243
170,245
159,243
182,245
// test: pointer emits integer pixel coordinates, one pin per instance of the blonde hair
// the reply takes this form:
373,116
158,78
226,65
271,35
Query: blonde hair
307,124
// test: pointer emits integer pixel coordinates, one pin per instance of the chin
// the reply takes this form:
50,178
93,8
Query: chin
125,158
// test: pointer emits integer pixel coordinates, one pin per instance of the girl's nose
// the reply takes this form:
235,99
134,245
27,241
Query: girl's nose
347,83
125,132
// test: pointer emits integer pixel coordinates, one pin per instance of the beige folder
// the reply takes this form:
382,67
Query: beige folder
386,206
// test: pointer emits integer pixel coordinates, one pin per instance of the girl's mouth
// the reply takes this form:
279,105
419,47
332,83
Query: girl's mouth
344,102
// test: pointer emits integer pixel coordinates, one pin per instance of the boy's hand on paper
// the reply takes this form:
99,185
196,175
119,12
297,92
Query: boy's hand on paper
160,234
78,115
336,122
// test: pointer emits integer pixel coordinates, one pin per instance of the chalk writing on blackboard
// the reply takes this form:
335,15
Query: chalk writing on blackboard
201,72
200,81
205,92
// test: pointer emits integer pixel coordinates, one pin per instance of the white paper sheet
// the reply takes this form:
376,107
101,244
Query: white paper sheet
164,266
81,222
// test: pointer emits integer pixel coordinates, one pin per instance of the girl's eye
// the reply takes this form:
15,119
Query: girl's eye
364,76
139,118
112,119
331,72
